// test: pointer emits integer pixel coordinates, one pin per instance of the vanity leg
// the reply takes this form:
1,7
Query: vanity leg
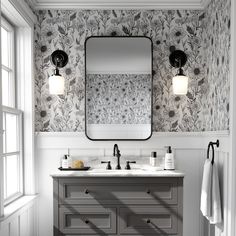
55,208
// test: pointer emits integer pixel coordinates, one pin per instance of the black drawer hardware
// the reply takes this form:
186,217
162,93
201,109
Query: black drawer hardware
148,221
86,191
86,221
148,191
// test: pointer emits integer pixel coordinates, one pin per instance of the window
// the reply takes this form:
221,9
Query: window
12,118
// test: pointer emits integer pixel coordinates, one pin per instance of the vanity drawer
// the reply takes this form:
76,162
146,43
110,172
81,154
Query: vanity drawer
149,220
82,220
74,192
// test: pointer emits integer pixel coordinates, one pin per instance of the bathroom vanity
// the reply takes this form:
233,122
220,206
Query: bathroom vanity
118,202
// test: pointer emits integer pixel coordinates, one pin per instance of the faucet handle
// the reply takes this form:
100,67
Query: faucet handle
127,167
108,164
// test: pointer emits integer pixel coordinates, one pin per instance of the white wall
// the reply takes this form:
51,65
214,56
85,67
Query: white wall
189,149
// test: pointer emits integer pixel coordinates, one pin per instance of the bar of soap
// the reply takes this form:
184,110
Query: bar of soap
78,164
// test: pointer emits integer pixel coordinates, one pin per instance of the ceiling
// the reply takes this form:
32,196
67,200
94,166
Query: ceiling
118,4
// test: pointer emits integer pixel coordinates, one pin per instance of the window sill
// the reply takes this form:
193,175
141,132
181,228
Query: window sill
16,206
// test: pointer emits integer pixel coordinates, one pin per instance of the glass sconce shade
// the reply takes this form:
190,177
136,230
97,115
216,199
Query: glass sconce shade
180,84
56,84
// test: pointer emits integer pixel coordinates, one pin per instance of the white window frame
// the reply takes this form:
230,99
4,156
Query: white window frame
20,15
20,189
11,109
11,68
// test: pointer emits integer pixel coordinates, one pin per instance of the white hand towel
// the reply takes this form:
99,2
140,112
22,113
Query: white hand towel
216,216
206,189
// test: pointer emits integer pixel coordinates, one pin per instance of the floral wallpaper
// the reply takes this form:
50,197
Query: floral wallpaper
203,108
118,98
169,30
215,106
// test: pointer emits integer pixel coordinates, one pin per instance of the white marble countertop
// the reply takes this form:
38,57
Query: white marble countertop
93,172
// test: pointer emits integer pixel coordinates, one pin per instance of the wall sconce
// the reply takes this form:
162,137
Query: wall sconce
180,81
56,81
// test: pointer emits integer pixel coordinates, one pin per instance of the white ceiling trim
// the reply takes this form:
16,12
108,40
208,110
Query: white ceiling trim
19,12
119,4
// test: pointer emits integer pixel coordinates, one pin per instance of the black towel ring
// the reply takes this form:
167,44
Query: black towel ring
213,152
211,145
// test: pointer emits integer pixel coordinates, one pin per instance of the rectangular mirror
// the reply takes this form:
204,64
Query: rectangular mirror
118,103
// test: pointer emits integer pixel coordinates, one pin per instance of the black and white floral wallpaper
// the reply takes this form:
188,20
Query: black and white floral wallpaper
118,98
203,35
215,107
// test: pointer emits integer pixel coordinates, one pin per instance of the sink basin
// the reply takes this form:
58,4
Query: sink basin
136,169
123,172
113,170
109,172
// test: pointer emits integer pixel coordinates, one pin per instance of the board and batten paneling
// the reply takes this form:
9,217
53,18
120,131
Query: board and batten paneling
21,223
190,154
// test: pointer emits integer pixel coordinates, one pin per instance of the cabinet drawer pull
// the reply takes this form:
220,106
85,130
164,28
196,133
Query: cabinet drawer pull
148,191
86,191
86,221
148,221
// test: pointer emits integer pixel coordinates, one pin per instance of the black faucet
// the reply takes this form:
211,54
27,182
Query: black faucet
116,152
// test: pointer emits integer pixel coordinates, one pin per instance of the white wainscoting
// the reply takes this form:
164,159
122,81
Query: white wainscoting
21,223
189,150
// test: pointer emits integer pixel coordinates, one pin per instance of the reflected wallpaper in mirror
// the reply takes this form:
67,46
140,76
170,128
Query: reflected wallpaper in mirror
118,88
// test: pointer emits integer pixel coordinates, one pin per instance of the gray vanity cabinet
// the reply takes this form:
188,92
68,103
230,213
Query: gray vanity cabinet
118,206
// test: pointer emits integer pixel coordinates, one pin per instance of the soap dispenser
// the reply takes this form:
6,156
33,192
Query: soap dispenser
66,161
169,159
153,159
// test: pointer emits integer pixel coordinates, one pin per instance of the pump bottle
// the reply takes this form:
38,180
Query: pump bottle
169,159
